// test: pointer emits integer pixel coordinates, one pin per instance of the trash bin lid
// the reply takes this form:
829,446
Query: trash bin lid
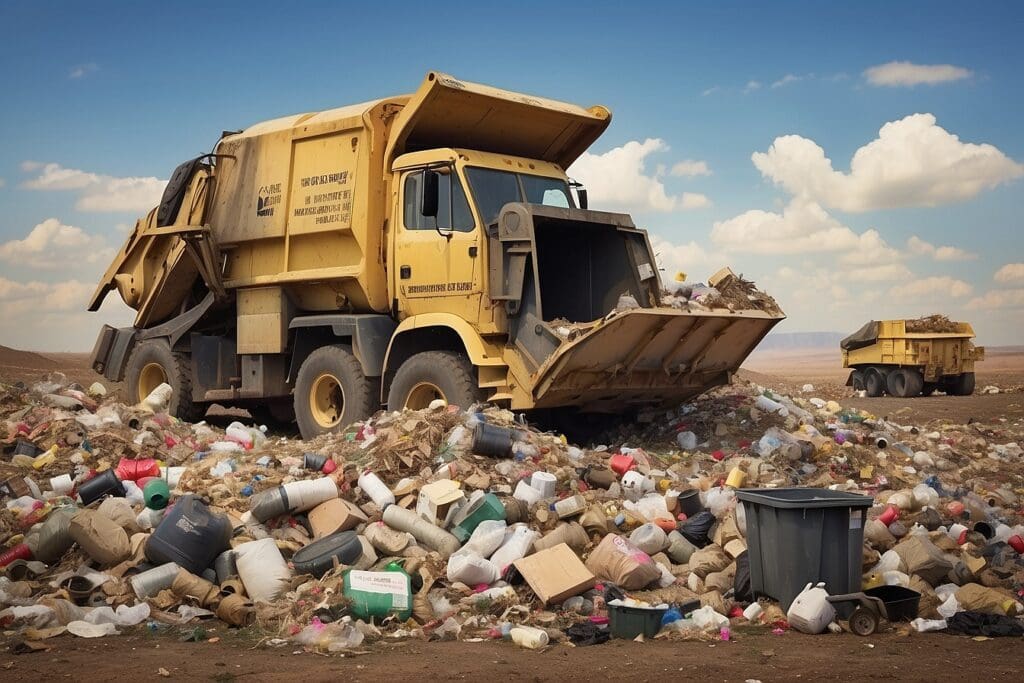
796,498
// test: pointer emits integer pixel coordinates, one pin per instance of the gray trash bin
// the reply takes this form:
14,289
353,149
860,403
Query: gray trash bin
803,535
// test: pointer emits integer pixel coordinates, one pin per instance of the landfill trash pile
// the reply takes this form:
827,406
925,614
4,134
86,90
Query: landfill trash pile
468,525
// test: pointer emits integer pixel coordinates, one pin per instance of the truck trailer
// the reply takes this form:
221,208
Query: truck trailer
320,266
905,358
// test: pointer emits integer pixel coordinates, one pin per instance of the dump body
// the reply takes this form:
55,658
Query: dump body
440,222
939,358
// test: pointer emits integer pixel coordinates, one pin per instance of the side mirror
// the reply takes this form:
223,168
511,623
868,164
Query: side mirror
581,197
431,190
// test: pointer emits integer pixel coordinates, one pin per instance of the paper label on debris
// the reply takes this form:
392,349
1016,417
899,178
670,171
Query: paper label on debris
391,583
855,520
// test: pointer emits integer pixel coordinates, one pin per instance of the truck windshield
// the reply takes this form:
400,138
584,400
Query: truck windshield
493,189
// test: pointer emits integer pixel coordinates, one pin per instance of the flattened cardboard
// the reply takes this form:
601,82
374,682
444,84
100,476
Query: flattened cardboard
555,574
335,515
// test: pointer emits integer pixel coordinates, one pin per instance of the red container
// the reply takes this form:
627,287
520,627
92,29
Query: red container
18,552
891,514
955,508
622,463
137,469
1017,543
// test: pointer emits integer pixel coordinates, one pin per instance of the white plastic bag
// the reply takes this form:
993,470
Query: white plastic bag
518,545
707,618
471,569
262,569
487,537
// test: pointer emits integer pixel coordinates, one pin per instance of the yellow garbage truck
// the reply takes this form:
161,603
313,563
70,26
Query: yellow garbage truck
905,358
395,252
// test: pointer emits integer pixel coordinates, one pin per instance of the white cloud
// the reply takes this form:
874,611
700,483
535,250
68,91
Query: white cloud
999,298
883,273
37,298
786,80
82,70
618,179
690,258
918,246
1011,272
751,86
936,287
710,91
690,167
2,182
96,192
52,244
897,74
913,162
802,227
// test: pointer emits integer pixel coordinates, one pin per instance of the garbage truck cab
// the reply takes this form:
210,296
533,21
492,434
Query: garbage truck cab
398,252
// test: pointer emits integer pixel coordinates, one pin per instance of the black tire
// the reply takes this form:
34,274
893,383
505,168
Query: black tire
962,385
857,380
153,357
904,382
331,391
443,374
874,383
863,622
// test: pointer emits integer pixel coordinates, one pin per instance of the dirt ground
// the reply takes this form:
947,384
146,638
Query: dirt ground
893,655
762,657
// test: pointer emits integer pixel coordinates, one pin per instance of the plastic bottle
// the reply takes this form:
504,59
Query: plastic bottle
529,637
544,482
515,546
571,506
376,489
423,531
811,612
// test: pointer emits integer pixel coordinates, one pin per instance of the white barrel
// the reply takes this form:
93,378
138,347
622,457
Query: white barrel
150,582
432,536
545,482
63,484
376,489
306,495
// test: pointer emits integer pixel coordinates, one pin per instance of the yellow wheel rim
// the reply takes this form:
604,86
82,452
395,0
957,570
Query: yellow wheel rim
150,378
421,396
326,401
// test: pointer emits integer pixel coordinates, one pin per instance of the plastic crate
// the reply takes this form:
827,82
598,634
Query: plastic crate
798,536
629,622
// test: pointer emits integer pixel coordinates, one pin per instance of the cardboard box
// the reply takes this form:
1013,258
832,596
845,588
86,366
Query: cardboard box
335,515
555,574
436,500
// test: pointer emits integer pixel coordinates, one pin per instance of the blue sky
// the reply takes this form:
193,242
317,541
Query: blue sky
102,100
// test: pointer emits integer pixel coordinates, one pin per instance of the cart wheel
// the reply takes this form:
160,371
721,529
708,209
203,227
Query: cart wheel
863,622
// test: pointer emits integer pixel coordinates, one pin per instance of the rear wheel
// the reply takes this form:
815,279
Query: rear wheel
962,385
331,391
857,380
874,382
152,363
904,382
433,375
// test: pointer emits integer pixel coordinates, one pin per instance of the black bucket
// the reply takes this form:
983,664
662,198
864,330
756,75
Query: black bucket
901,604
102,485
689,503
985,529
313,461
495,442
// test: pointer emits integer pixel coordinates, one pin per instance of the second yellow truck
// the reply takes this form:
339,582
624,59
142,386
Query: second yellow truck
394,252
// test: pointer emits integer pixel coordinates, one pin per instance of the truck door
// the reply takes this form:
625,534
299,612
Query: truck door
433,268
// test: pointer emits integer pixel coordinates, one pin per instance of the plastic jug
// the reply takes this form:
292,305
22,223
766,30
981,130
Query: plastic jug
529,637
378,594
811,612
487,507
190,535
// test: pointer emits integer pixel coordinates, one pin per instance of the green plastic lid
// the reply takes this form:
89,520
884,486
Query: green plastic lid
156,494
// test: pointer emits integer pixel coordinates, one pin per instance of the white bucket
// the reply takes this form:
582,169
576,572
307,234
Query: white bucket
63,484
545,482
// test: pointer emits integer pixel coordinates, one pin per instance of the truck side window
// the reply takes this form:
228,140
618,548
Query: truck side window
414,220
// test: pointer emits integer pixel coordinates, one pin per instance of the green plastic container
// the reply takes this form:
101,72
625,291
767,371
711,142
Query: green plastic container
629,622
379,594
485,508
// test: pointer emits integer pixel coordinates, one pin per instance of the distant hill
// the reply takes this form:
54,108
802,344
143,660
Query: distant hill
800,340
13,358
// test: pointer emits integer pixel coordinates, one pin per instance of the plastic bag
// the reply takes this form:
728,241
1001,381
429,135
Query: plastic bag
469,568
696,529
649,538
487,537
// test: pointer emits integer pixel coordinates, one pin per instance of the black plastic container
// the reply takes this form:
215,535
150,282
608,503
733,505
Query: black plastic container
494,442
317,558
102,485
313,461
689,502
28,448
901,604
190,535
799,536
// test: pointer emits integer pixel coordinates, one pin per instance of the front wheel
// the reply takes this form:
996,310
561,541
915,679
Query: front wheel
432,375
874,383
331,391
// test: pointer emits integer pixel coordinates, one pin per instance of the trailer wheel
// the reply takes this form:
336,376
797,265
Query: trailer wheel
874,383
152,363
433,375
857,380
331,391
904,382
962,385
863,622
